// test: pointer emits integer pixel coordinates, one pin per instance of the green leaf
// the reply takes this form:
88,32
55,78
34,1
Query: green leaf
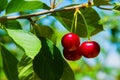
28,41
91,16
22,5
25,68
13,24
3,21
92,19
9,64
48,64
101,2
66,18
3,4
46,32
117,6
67,73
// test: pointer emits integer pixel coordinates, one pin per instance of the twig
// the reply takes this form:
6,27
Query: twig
53,5
41,13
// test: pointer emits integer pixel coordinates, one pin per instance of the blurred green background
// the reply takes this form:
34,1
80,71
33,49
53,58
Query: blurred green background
104,67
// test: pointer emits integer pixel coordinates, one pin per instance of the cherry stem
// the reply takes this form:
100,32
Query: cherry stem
88,34
73,21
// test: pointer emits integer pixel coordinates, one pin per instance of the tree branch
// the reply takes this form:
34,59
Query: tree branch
43,12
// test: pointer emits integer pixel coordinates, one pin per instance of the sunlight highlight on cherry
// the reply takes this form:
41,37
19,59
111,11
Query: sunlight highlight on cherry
70,41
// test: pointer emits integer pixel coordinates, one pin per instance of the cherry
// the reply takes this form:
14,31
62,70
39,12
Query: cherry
72,55
70,41
90,49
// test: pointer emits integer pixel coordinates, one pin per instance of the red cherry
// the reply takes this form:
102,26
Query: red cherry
90,49
72,55
70,41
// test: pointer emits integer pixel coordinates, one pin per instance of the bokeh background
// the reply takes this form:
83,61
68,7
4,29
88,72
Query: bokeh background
104,67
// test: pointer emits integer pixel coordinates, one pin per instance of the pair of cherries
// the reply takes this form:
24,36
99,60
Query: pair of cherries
74,51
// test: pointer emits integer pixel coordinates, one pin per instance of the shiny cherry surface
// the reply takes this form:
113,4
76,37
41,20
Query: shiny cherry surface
90,49
70,41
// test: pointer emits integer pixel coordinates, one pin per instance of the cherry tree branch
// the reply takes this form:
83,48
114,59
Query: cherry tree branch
43,12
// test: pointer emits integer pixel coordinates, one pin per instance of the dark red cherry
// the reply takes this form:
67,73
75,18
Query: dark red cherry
70,41
90,49
72,55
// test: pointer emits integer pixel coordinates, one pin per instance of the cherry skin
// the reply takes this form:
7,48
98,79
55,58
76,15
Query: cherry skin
70,41
72,55
90,49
